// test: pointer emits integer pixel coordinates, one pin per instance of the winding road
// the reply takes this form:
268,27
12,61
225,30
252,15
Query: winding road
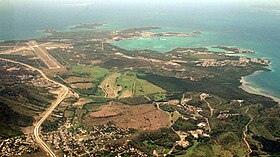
245,131
60,98
209,106
203,96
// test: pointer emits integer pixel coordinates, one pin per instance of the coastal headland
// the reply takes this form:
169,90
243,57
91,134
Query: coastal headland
187,101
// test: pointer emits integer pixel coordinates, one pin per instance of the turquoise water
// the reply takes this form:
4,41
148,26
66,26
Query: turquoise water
231,22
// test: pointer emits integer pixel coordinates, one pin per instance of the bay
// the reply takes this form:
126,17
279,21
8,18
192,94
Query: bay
231,23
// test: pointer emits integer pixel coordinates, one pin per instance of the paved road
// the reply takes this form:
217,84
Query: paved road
50,62
60,98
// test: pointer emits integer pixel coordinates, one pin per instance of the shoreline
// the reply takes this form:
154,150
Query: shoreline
248,87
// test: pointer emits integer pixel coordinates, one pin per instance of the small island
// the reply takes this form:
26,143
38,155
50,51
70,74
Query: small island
171,34
87,26
234,49
86,32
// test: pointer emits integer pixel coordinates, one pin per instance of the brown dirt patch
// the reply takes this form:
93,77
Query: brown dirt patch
141,117
126,94
82,85
41,154
27,130
82,101
77,79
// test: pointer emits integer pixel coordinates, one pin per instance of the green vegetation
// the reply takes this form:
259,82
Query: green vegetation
271,146
130,82
184,125
99,100
18,106
134,100
158,97
212,86
11,121
161,141
68,114
96,103
49,126
199,149
167,107
95,73
80,112
92,107
86,74
147,77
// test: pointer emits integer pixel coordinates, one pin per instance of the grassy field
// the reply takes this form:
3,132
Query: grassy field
137,87
94,72
87,76
127,81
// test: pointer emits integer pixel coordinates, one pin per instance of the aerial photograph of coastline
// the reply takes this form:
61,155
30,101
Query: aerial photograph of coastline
140,78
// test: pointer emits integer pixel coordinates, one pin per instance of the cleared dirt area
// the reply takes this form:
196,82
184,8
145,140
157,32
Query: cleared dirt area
141,117
126,94
109,87
27,130
21,52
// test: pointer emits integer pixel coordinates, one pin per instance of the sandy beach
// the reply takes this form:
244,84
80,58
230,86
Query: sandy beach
250,88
